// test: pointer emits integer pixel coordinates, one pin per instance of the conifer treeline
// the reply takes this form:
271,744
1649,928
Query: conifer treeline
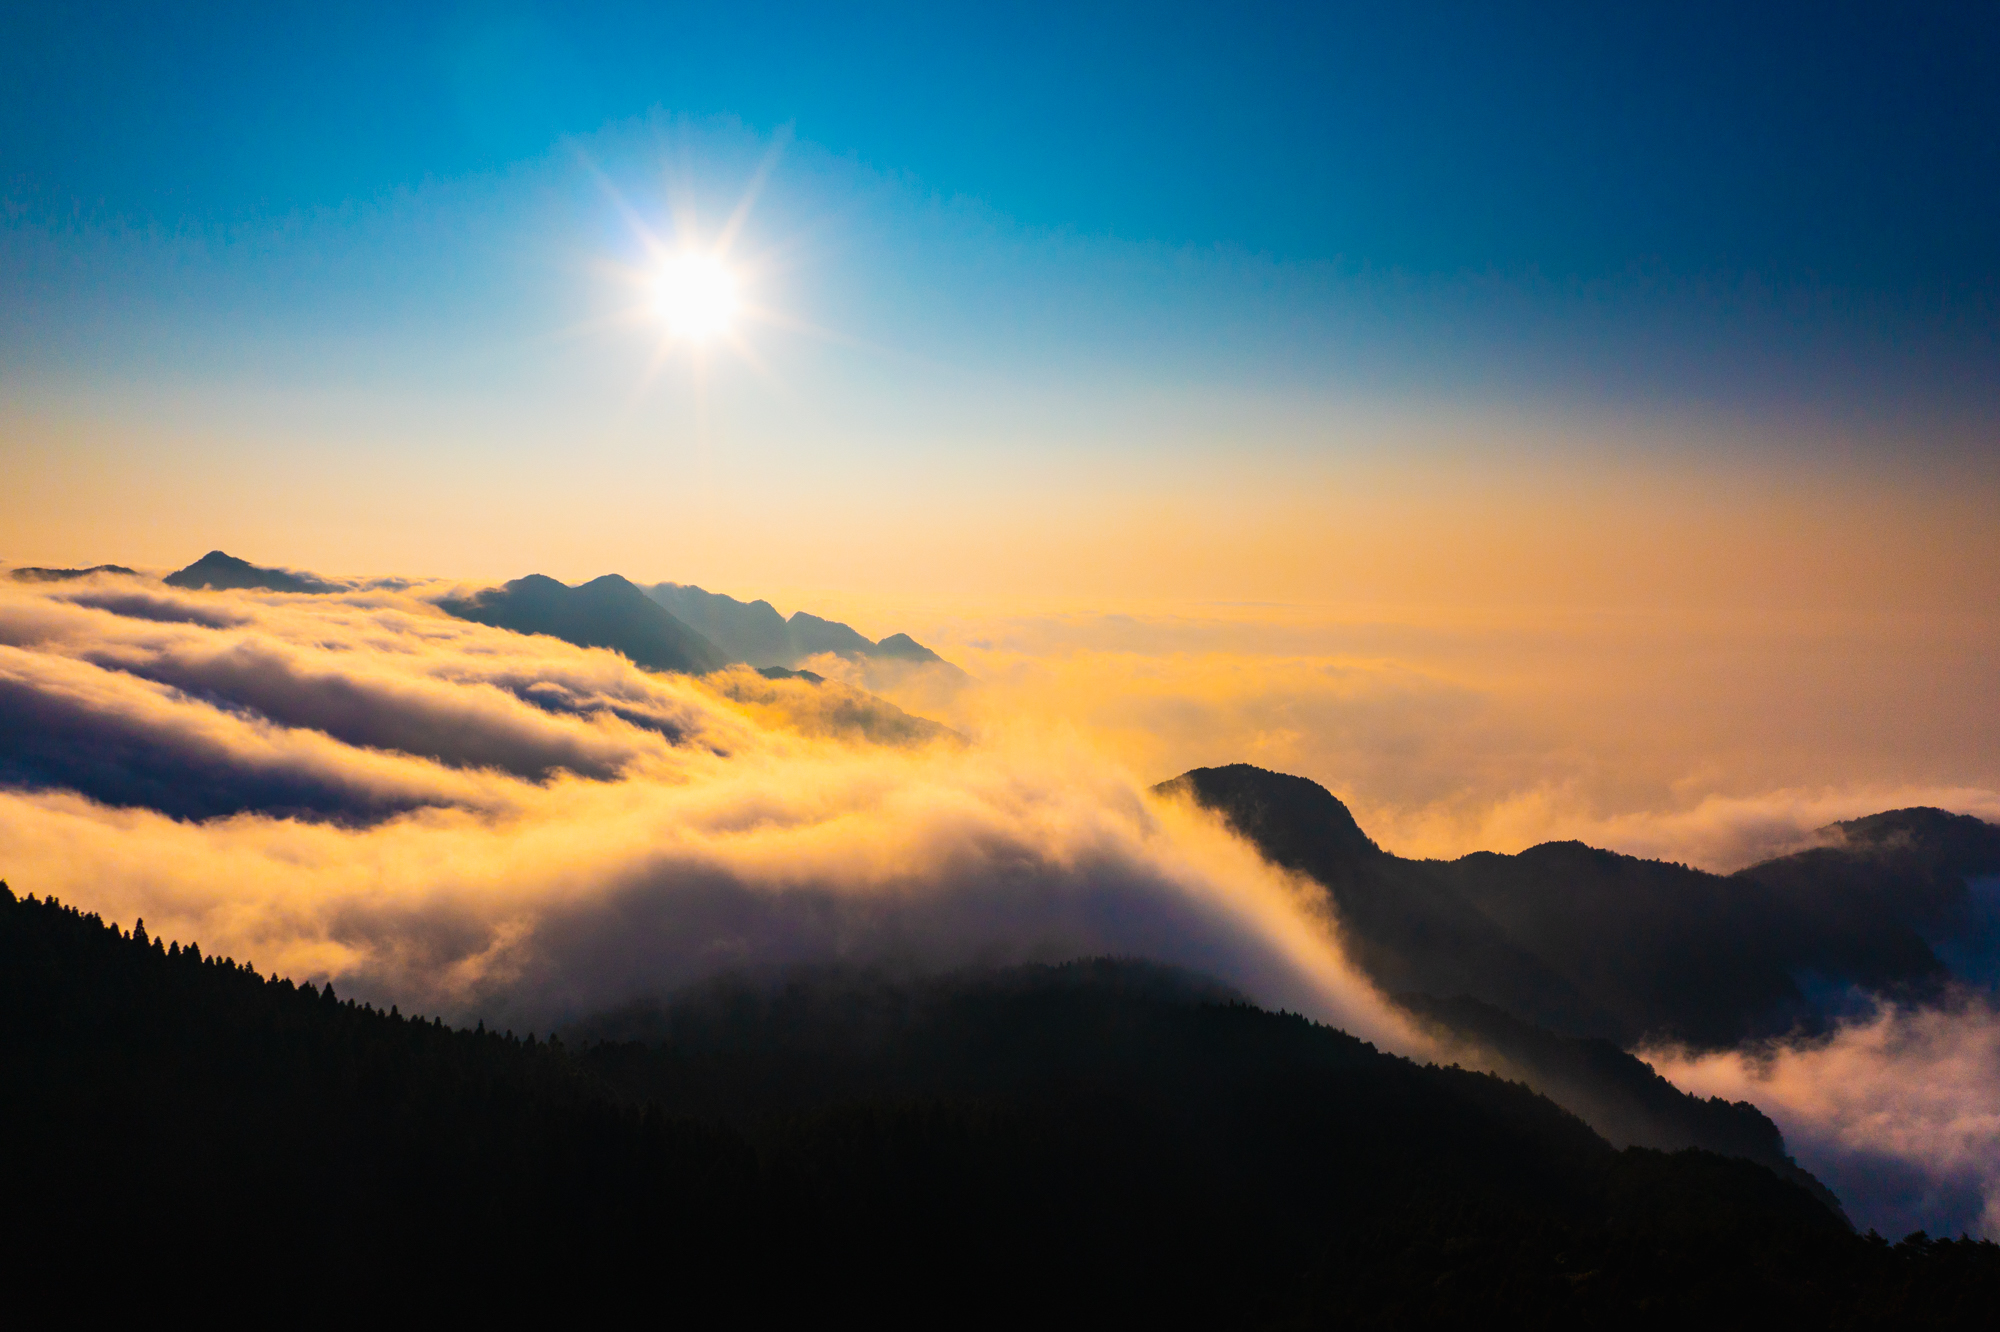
1081,1144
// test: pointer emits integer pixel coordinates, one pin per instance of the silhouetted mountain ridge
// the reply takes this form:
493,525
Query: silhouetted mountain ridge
1106,1140
757,635
1295,822
1905,877
33,574
752,633
219,572
1589,942
607,612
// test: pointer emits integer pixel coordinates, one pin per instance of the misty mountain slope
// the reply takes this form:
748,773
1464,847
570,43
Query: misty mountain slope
901,647
1408,928
607,612
1106,1140
33,574
1403,924
1588,942
812,635
755,634
218,572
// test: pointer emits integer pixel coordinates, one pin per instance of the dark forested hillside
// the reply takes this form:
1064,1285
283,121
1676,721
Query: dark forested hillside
171,1117
1616,1093
1096,1143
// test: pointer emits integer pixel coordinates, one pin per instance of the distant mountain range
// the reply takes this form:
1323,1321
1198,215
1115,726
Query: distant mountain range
611,612
614,613
607,612
667,627
672,627
31,574
753,632
1593,943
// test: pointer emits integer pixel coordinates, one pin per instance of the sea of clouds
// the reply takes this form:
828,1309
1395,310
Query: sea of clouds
358,788
355,787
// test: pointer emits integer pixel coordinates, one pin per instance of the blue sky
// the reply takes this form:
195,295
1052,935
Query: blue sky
1837,163
1848,145
1176,236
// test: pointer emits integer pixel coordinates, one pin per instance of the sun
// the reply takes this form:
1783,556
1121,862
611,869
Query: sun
695,296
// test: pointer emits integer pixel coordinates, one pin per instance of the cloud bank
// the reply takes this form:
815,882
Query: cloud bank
355,787
458,819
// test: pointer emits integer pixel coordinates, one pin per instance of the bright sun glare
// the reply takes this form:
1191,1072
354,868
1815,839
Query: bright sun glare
696,296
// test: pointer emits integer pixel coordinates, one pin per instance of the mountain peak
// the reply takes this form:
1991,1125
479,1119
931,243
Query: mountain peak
1299,823
812,635
904,648
219,571
611,585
